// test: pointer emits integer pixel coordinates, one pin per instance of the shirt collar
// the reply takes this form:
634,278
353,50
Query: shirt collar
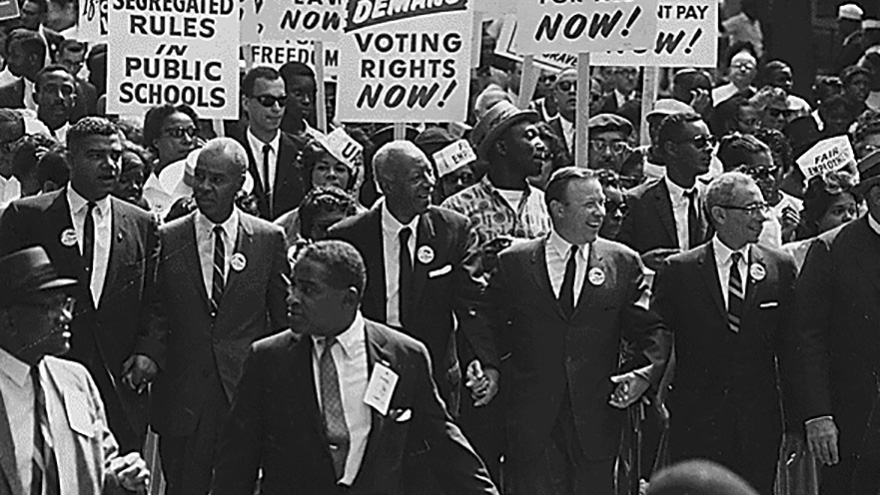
256,144
16,369
391,225
561,246
350,339
723,253
492,190
230,225
676,192
874,224
78,202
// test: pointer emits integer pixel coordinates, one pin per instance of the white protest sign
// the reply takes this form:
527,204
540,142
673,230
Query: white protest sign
827,156
280,20
343,147
687,36
585,25
92,22
450,158
9,9
506,47
277,54
405,61
176,52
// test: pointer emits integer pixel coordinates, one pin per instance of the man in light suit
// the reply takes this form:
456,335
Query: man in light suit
111,248
729,303
53,431
666,215
437,288
220,286
562,305
334,405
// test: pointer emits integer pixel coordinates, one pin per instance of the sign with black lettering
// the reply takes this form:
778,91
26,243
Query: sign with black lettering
277,54
8,9
578,26
176,52
92,22
405,60
282,20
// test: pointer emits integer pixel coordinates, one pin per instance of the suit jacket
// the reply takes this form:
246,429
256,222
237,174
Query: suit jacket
726,381
552,354
276,426
85,449
103,337
649,223
194,349
442,287
86,100
290,181
12,95
837,320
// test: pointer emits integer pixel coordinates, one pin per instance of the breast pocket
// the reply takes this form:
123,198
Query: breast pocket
80,413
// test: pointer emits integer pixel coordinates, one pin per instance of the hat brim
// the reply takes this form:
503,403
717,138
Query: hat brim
498,130
58,283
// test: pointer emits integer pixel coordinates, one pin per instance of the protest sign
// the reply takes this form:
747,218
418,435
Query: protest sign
92,22
687,36
176,52
9,9
827,156
280,20
343,147
585,25
277,54
506,47
450,158
405,61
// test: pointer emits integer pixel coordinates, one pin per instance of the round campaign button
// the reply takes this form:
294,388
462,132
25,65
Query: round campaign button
425,254
68,237
596,276
238,262
757,272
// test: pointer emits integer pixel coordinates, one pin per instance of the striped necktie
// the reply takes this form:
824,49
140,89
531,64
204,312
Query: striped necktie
44,466
218,281
736,294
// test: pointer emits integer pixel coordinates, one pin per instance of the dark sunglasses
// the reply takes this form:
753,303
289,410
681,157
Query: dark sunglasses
761,171
180,132
567,85
701,142
269,101
612,207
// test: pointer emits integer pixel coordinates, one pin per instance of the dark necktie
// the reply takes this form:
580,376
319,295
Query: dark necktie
735,295
217,281
566,293
88,248
267,185
334,416
44,465
694,234
405,275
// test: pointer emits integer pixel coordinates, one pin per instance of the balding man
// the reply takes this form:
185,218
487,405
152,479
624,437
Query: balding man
698,478
220,286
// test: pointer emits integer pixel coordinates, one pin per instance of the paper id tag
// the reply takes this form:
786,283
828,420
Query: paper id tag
380,388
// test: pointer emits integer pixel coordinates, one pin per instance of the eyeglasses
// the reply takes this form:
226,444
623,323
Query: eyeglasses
548,79
180,132
616,147
269,101
761,171
744,66
751,210
567,86
701,142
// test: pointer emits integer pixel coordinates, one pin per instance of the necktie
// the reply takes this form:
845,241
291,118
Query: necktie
267,185
44,465
334,415
405,274
88,247
694,234
566,293
217,281
736,294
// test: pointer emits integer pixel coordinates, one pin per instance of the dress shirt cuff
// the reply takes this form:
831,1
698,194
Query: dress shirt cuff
813,420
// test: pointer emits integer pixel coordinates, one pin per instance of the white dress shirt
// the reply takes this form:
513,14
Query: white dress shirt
257,149
10,190
205,242
723,260
567,132
556,255
350,357
103,217
680,204
28,98
17,390
60,134
391,254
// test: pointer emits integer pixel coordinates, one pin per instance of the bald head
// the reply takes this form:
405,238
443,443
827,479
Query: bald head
698,478
405,176
229,148
218,176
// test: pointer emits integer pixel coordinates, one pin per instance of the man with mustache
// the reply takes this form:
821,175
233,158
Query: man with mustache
55,94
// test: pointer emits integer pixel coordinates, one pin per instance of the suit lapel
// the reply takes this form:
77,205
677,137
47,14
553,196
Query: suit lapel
871,240
283,167
709,271
244,246
259,193
118,224
376,353
753,285
588,290
373,251
186,236
664,210
425,237
302,377
542,276
7,454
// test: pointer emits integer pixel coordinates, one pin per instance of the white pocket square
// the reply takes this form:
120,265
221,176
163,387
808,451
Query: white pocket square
401,416
440,271
769,304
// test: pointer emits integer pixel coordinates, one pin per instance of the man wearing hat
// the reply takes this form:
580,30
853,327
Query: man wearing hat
837,318
452,176
53,432
609,145
652,159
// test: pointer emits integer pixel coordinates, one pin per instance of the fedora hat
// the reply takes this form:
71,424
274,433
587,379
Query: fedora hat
28,271
498,119
869,173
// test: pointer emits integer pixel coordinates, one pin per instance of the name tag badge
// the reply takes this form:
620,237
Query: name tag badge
380,388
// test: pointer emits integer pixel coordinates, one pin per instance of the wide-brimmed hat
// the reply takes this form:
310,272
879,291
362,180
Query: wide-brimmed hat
869,173
498,119
26,272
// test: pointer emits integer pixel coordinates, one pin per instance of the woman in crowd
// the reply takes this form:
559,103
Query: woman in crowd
135,169
322,207
555,158
735,114
866,134
772,105
836,115
170,133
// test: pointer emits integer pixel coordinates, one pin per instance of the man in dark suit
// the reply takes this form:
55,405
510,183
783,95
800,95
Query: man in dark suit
562,305
33,18
25,57
111,247
565,92
273,155
72,54
335,404
729,303
666,215
55,93
433,288
220,286
837,321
